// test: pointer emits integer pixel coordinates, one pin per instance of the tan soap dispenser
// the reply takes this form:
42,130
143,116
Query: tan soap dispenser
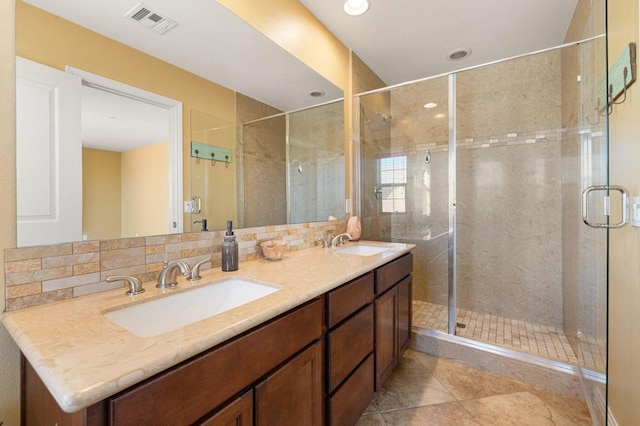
229,250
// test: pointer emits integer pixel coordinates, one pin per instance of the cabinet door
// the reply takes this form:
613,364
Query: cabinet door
348,345
404,313
238,413
293,395
348,403
386,318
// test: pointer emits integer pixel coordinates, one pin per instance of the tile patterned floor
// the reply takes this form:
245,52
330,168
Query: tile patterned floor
593,353
426,390
528,337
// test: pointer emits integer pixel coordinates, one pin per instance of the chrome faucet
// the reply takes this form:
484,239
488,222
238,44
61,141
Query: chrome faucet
337,240
326,241
135,285
194,275
168,275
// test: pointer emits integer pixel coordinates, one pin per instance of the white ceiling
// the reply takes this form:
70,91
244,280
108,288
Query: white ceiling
404,40
116,123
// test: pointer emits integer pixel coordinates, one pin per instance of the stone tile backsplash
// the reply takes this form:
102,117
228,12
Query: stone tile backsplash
45,274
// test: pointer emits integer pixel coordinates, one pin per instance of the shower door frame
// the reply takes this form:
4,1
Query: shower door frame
452,257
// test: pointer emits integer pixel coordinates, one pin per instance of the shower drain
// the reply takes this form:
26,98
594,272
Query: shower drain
461,325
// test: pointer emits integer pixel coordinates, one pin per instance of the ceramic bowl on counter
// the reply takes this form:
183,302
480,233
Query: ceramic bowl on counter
274,249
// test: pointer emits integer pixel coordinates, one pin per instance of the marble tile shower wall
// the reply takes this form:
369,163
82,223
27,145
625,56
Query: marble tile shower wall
262,164
45,274
509,134
316,162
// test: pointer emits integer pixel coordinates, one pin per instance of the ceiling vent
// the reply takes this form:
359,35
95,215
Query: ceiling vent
146,17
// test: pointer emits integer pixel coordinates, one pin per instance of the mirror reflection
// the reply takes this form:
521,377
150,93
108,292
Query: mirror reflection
251,189
285,168
125,166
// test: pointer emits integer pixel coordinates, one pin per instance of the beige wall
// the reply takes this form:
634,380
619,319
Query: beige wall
120,189
142,193
624,255
9,356
101,195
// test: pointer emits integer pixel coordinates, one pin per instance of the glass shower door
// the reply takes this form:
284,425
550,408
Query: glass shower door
531,276
404,191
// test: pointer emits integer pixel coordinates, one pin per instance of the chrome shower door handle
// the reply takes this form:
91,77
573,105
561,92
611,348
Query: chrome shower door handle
625,206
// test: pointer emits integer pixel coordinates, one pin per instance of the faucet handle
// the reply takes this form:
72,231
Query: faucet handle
135,285
325,243
194,274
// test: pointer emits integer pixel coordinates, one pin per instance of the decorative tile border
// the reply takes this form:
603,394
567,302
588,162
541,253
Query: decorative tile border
38,275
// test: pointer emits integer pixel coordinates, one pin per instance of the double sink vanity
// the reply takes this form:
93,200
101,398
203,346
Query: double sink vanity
305,341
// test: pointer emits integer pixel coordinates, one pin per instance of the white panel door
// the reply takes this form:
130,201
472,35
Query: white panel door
49,155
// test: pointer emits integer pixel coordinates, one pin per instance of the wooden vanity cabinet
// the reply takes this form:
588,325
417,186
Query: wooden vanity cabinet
187,392
39,408
349,352
293,395
237,413
316,364
392,315
405,311
193,391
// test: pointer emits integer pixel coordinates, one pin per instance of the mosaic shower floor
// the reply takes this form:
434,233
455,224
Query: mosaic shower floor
528,337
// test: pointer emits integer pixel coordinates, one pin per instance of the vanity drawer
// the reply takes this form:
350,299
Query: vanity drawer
348,298
348,345
392,272
189,391
351,400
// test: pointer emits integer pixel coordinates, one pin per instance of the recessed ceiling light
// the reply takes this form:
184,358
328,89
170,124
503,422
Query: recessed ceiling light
439,116
317,93
430,105
458,54
356,7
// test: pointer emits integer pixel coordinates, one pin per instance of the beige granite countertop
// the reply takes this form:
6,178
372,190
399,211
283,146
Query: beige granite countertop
82,357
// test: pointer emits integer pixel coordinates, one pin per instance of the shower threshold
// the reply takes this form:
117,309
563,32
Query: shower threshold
522,336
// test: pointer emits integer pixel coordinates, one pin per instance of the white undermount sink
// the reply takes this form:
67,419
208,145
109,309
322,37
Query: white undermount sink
362,250
171,312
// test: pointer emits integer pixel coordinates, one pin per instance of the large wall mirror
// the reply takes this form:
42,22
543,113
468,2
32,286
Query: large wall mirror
283,167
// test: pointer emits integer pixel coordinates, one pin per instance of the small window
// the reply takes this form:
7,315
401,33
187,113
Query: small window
393,182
